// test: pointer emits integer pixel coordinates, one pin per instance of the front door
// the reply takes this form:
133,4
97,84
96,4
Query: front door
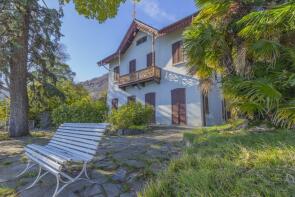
150,99
178,101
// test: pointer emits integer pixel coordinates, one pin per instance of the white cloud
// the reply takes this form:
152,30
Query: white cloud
153,10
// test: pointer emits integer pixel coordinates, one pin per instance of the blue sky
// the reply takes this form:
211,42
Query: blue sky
86,41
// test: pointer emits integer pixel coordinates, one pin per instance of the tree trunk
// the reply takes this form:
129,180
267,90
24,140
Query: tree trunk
18,123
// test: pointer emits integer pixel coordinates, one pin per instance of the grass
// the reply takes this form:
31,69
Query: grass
223,161
7,163
7,192
35,134
3,136
41,134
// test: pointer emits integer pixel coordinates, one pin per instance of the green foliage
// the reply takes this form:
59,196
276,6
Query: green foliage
251,45
223,161
65,92
270,23
8,192
285,115
83,111
97,9
130,116
4,136
30,53
3,110
41,134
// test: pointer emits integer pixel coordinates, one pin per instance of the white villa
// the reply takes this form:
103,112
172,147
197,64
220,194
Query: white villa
149,67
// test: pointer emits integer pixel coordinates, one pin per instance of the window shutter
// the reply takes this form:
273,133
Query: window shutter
116,73
150,99
177,52
174,53
132,66
180,52
115,103
131,99
150,59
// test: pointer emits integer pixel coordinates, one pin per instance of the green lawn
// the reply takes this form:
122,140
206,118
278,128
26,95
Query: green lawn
223,161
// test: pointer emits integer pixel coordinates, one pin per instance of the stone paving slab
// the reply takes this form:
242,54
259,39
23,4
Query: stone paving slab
122,167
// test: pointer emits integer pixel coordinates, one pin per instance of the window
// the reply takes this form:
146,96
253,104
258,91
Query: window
150,59
177,52
131,99
117,73
115,102
141,40
205,104
132,66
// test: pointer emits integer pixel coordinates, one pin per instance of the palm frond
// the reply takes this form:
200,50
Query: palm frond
266,51
258,91
206,85
268,23
202,3
285,115
213,12
199,41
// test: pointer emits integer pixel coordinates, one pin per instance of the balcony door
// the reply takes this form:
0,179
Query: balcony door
178,101
150,99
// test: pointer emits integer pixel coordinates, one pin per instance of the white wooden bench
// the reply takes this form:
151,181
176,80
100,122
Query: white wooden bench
72,143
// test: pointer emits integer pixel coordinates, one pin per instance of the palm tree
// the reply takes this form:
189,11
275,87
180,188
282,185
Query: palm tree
251,45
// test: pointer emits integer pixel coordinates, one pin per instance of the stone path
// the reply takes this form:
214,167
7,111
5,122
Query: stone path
121,168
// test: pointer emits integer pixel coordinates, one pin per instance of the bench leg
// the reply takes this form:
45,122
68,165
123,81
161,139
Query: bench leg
37,179
71,180
57,186
29,166
86,174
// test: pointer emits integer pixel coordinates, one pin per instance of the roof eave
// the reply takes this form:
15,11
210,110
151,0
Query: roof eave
137,25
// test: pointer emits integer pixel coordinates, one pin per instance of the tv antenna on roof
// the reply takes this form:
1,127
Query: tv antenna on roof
134,10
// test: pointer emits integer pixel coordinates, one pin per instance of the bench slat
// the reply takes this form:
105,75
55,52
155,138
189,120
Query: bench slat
71,142
44,159
82,129
96,126
78,148
52,155
72,156
80,132
93,138
58,152
84,156
57,136
42,164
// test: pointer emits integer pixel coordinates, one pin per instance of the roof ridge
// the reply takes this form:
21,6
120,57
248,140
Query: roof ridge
140,21
135,26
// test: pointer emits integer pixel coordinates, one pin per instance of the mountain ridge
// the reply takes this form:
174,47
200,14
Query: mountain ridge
97,86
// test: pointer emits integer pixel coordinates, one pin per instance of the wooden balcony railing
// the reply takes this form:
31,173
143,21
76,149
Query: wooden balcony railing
151,73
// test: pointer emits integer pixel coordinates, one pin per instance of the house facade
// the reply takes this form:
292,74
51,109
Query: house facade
150,67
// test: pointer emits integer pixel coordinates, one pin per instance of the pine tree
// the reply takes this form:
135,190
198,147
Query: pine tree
30,35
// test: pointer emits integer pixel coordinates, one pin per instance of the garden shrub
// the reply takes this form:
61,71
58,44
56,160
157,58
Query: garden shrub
82,111
4,113
3,110
130,116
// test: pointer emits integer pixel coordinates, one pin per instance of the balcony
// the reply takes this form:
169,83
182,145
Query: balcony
148,74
